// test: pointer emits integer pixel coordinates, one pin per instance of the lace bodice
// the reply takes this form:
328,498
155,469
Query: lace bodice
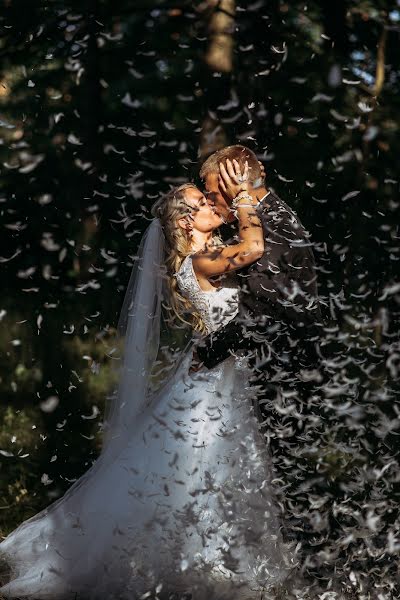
216,307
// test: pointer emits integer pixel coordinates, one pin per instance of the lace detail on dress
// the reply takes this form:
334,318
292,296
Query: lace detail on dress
216,307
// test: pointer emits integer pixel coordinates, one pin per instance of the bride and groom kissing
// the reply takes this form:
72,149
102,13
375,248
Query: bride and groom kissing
279,295
180,500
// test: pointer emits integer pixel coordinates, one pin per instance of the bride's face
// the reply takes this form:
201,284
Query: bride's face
202,216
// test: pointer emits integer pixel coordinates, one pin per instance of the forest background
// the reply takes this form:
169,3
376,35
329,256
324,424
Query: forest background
104,106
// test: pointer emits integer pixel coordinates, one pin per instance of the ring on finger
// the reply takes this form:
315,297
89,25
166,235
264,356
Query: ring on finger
241,178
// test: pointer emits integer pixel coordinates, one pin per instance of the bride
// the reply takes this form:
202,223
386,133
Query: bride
179,503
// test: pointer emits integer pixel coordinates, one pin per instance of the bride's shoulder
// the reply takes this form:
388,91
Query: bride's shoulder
186,265
185,274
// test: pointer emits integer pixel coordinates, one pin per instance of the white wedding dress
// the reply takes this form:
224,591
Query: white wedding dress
185,506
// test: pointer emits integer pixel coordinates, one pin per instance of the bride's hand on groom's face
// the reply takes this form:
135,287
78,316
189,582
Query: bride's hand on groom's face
231,180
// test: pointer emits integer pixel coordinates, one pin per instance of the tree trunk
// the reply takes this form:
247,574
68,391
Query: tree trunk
219,59
219,56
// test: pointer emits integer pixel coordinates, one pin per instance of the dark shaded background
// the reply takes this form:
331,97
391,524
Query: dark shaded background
105,105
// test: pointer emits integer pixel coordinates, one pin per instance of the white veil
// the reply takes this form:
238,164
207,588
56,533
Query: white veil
148,351
147,354
144,360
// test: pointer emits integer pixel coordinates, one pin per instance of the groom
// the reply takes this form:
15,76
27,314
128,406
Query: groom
279,315
279,326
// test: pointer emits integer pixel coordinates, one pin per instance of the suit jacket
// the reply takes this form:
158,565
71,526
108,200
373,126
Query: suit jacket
279,297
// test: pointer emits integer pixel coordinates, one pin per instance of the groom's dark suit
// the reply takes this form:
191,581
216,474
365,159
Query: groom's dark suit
279,313
280,321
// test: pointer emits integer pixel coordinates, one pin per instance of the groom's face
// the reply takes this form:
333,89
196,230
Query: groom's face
217,197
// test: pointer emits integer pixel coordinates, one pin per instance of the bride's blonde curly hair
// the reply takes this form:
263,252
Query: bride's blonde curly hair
178,245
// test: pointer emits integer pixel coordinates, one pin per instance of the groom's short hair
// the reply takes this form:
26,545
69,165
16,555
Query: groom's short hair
239,153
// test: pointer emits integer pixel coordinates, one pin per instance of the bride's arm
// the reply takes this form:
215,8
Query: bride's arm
250,247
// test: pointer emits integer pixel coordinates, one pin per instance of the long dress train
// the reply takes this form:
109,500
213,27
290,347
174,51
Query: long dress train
185,506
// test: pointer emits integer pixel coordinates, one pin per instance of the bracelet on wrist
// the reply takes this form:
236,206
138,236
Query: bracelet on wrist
243,205
242,200
242,194
239,197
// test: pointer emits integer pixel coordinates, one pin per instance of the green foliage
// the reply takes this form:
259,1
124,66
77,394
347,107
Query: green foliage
21,441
